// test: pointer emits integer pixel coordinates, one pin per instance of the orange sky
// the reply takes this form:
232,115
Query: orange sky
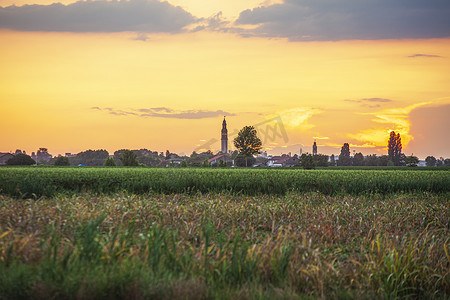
72,91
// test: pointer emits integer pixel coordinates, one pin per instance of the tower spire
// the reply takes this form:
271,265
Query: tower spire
224,138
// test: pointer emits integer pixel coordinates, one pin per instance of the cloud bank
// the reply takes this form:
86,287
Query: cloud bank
333,20
150,16
164,112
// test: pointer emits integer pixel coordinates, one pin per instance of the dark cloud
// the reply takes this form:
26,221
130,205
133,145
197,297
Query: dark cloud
424,55
350,19
145,16
370,102
164,112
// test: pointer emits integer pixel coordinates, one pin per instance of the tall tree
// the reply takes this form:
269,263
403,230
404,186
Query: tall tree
395,148
344,157
247,142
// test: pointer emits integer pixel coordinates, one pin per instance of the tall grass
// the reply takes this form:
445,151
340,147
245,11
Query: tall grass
223,246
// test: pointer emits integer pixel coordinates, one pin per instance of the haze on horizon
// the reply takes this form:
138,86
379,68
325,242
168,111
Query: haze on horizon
161,75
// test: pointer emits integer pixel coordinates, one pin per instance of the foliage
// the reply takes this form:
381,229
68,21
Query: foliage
244,161
206,163
144,156
208,246
197,159
430,161
344,157
31,181
307,161
321,160
248,143
90,158
110,162
358,159
395,148
62,161
129,159
21,160
411,161
183,164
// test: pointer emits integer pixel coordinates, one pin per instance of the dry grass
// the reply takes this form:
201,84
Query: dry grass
219,245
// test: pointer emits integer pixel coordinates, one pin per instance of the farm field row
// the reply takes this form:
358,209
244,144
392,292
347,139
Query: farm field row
37,182
221,245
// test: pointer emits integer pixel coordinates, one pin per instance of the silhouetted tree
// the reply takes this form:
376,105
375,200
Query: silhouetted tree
307,161
20,160
129,158
411,161
344,157
320,160
247,142
90,158
62,161
358,159
430,161
395,148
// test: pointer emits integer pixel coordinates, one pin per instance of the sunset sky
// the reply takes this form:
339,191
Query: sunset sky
162,75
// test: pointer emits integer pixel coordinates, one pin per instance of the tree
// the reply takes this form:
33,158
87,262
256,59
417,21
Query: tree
358,159
20,160
344,157
183,164
129,158
395,148
430,161
90,158
62,161
206,163
248,143
411,161
332,160
243,161
320,160
110,162
307,161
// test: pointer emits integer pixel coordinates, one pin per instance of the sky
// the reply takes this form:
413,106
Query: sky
162,75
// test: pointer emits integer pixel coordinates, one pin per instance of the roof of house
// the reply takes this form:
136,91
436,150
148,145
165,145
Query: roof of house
3,154
216,157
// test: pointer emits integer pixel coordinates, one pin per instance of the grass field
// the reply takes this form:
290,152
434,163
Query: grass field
82,242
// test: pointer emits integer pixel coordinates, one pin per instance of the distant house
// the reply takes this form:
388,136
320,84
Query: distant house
172,161
283,161
4,157
217,158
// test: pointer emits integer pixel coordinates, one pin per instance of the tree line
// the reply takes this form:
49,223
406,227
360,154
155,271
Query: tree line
247,144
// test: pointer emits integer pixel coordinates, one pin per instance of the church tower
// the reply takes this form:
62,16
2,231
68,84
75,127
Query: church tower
224,136
315,148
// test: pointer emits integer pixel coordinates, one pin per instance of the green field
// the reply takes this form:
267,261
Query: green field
36,182
98,233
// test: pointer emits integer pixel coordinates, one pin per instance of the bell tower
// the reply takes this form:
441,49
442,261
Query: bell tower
224,136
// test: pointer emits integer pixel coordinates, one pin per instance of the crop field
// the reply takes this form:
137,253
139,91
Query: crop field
99,233
36,182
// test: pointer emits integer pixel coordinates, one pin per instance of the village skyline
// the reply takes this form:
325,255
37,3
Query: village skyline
159,75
